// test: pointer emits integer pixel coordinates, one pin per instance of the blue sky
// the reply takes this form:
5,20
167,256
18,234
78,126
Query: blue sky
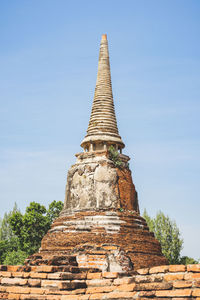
48,62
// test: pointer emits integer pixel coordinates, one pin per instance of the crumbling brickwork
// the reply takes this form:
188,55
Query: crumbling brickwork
70,282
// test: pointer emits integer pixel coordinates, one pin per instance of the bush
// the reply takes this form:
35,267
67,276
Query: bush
15,258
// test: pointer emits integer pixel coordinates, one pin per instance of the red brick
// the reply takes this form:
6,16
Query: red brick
34,282
177,268
121,295
26,274
147,293
182,284
193,268
153,286
5,274
14,281
78,291
190,276
126,287
160,269
144,271
38,275
51,284
13,268
97,296
196,292
100,289
110,274
94,275
18,274
32,296
172,277
75,297
123,280
14,296
18,290
37,291
45,269
2,289
98,282
143,278
174,293
53,297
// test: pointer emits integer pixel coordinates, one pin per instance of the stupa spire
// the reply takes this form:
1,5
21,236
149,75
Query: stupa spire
102,130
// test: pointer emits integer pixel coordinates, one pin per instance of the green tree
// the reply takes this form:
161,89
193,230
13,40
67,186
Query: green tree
54,210
168,234
34,224
15,257
186,260
8,240
30,227
6,232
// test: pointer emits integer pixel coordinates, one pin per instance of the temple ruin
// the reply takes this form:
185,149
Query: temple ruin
100,247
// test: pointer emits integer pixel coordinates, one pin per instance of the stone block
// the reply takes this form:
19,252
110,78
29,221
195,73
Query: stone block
33,297
193,268
109,274
5,274
14,296
160,269
173,276
18,290
192,276
144,271
99,289
196,292
13,268
120,295
153,286
182,284
18,274
94,275
34,282
13,281
38,275
174,293
45,269
177,268
126,287
98,282
123,280
147,294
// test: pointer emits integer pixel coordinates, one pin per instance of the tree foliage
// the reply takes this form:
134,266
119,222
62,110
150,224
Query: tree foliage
168,234
32,226
21,234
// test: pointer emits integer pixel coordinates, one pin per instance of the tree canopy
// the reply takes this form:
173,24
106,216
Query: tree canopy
21,234
169,236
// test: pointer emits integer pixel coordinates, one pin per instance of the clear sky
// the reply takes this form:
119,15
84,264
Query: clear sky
48,65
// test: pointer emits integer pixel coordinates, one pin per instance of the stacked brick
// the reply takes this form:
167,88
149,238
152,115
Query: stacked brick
70,282
102,235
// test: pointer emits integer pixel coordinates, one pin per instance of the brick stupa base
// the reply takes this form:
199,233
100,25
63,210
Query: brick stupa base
107,240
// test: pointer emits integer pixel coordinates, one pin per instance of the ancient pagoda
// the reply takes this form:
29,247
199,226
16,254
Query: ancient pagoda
100,224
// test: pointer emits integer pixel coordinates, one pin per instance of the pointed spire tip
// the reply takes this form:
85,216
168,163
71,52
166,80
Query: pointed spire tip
104,36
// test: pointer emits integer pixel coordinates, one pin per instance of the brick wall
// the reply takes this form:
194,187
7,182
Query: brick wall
70,282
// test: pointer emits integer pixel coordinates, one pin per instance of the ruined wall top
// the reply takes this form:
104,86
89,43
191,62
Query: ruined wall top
103,125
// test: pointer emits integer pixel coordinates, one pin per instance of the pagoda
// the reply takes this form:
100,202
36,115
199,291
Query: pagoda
100,224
